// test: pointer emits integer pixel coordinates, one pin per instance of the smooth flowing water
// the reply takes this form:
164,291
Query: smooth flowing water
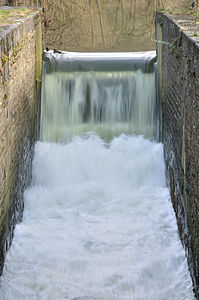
98,222
106,96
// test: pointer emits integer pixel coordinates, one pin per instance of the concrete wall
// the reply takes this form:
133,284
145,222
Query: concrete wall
20,73
178,59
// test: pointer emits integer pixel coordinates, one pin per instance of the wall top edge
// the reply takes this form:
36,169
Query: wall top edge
15,23
187,24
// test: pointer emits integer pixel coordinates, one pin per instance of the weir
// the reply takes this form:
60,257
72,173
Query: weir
98,221
78,93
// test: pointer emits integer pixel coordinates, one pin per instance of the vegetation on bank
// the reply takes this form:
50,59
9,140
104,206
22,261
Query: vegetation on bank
10,16
183,12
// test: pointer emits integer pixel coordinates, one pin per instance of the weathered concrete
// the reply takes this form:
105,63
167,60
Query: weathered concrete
20,73
178,58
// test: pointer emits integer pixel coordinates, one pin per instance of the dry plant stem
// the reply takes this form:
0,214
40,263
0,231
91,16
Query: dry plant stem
101,23
92,33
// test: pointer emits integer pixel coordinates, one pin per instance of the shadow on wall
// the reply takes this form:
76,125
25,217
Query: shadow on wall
100,25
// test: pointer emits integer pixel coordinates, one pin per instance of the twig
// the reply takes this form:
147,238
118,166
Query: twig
101,23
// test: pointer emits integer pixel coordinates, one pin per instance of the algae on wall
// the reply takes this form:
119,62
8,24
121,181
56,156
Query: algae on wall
100,25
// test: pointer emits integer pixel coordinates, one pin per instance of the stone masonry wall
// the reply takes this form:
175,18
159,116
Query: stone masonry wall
178,59
20,73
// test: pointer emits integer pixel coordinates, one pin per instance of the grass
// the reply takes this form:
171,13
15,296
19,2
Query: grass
10,16
189,12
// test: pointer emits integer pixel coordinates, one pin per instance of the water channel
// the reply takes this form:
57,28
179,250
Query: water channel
98,221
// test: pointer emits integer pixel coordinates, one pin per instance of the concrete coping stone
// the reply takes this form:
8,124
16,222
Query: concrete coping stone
187,24
11,34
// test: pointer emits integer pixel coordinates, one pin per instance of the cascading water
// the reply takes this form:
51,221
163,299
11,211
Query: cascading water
78,101
98,223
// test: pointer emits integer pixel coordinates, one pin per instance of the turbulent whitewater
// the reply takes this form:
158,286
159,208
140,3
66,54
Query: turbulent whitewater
98,222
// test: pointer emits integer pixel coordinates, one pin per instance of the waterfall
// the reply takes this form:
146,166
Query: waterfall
98,222
106,96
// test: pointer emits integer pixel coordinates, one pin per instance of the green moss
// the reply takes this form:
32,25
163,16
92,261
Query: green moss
17,48
4,59
3,102
183,12
15,51
38,55
189,11
38,80
5,12
12,36
10,16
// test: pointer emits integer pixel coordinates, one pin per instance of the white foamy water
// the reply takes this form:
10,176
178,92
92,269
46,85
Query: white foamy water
98,225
